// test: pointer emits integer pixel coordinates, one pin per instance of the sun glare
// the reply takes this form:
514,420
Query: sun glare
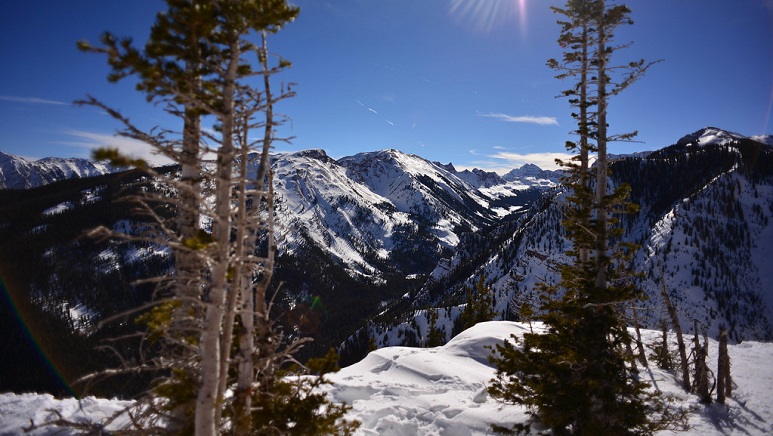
487,15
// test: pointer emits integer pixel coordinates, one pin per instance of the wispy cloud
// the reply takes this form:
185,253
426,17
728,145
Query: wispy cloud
546,161
31,100
502,162
136,149
529,119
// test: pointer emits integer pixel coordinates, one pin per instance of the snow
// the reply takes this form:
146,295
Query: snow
711,136
19,173
59,208
18,411
442,391
762,243
426,391
675,257
765,139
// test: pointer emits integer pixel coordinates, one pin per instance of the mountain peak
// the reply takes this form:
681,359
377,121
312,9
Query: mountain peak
448,167
710,136
313,153
531,171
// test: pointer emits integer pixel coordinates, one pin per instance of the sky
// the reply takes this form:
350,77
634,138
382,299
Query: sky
460,81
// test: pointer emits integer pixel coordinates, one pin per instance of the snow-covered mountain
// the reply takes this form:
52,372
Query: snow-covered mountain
356,234
710,136
369,211
532,175
476,177
19,173
716,136
374,239
704,229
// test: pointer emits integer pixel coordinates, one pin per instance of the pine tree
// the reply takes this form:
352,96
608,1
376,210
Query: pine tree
213,320
170,69
480,305
683,363
574,378
298,406
435,336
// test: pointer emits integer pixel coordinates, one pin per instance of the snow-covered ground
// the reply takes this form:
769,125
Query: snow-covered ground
442,391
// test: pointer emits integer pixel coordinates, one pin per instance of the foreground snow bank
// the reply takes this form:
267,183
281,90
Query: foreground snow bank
425,391
24,411
442,391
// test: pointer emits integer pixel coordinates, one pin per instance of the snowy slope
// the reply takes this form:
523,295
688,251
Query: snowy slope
316,197
765,139
342,238
430,391
704,229
442,391
19,173
723,278
371,209
417,186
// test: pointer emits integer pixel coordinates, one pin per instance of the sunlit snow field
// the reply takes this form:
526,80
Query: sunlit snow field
442,391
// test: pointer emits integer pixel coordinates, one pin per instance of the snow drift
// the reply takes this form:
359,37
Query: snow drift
442,391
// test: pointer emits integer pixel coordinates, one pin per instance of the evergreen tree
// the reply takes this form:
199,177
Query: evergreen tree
435,336
212,325
480,304
574,378
170,69
297,405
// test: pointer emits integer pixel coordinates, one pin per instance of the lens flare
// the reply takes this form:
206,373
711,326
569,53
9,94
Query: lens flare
7,299
487,15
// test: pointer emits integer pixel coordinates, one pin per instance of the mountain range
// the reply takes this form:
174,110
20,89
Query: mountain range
703,231
380,237
20,173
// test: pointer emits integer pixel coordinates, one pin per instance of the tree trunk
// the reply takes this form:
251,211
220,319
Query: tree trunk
664,359
701,370
208,400
601,163
723,368
188,268
679,338
632,355
265,340
639,344
584,251
240,297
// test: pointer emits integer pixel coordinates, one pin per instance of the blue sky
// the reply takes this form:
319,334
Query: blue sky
461,81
